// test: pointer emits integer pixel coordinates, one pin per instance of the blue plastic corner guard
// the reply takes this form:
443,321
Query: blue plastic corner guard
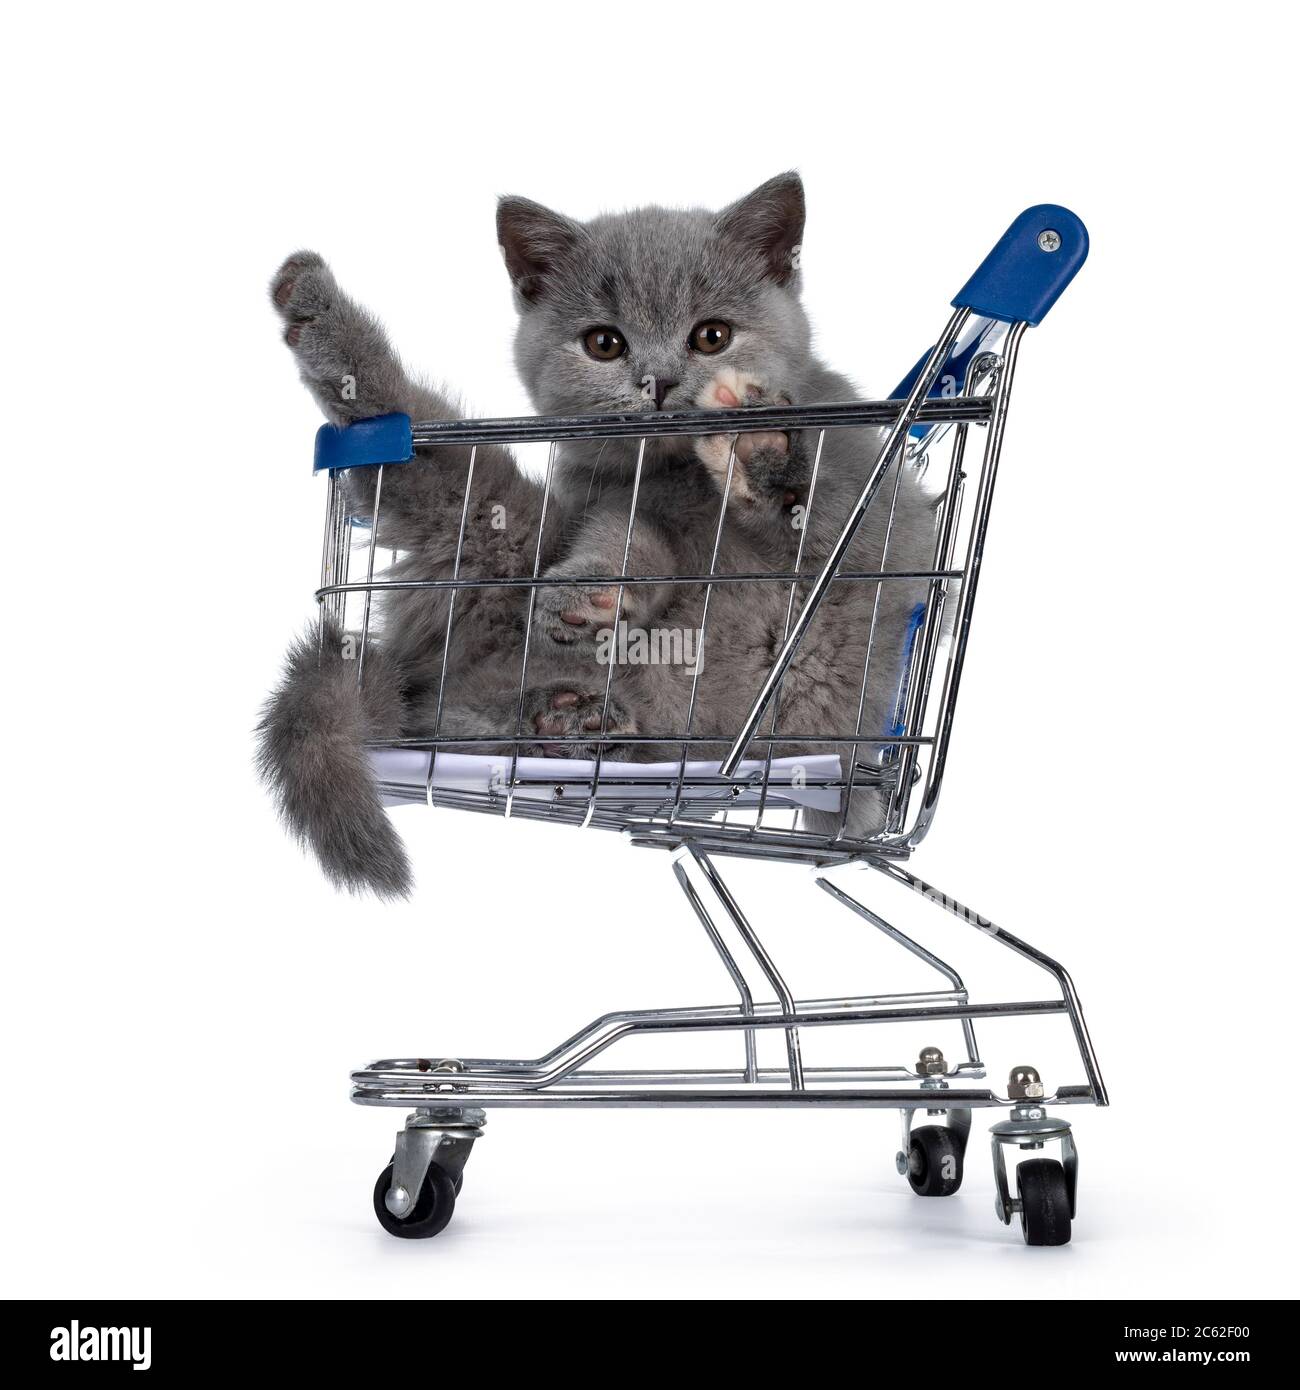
1025,273
380,439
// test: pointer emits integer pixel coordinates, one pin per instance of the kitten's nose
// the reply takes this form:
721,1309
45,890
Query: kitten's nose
662,388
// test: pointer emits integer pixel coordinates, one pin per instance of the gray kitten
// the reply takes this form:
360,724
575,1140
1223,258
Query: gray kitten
635,312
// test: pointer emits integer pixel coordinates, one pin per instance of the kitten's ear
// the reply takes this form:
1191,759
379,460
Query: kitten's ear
769,223
534,242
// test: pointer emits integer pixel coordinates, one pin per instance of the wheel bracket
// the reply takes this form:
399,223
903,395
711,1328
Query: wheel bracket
445,1136
958,1121
1030,1127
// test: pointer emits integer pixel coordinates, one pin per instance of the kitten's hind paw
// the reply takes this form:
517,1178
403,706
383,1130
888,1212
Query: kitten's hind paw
574,612
564,711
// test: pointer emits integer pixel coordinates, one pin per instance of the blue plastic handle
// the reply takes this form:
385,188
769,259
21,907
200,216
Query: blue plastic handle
380,439
1023,276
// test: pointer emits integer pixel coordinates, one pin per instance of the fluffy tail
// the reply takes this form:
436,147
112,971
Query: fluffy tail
311,756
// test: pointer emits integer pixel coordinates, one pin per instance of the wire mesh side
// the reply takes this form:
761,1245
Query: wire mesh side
767,805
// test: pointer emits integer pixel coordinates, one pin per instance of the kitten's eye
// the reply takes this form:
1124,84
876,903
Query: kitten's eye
605,344
711,336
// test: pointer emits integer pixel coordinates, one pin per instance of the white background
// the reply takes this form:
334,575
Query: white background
182,996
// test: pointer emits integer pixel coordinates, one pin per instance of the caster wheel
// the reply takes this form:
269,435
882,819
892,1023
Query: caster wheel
432,1210
934,1163
1044,1202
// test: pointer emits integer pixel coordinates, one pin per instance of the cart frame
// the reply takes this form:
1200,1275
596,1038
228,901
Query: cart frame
963,384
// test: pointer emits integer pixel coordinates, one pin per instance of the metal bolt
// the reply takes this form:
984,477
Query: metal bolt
397,1200
450,1064
985,363
930,1062
900,1162
1024,1084
1049,240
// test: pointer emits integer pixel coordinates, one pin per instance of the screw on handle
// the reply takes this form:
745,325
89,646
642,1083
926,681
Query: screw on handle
1025,273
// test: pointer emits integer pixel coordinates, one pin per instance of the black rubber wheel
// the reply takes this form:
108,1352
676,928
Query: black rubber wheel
934,1164
432,1210
1044,1202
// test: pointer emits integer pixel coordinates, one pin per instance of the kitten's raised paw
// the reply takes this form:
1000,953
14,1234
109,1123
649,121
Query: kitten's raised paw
754,451
303,292
564,712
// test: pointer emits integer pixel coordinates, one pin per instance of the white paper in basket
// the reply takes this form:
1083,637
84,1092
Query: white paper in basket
794,781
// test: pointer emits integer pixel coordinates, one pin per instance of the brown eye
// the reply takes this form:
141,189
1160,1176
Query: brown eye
605,344
710,336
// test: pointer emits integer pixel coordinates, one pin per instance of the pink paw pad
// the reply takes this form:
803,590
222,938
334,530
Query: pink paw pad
600,599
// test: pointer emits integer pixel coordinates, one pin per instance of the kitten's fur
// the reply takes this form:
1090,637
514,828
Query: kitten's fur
654,273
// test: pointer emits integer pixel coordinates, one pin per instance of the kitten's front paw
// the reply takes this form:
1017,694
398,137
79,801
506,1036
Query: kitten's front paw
568,613
760,456
563,711
324,337
303,291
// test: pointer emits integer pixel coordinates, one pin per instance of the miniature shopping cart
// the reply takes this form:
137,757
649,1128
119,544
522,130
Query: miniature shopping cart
948,415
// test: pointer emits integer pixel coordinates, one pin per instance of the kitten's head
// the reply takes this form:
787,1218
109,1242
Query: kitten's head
637,311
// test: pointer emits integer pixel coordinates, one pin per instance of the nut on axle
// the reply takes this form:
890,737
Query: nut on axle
1024,1083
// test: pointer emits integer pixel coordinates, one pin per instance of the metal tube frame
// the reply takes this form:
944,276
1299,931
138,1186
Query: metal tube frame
564,1076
